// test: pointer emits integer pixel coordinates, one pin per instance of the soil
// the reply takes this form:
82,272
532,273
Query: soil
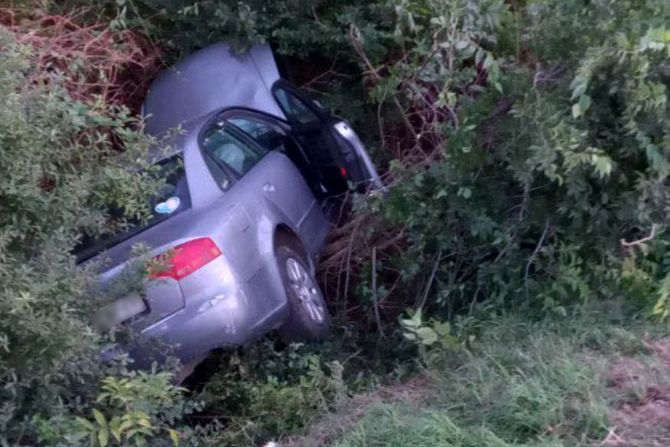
640,416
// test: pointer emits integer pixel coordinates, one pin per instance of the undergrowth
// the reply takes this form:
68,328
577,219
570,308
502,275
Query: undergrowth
516,384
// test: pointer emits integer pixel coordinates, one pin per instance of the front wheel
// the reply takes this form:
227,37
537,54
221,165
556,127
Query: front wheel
308,318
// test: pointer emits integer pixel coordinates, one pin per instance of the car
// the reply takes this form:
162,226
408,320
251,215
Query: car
250,180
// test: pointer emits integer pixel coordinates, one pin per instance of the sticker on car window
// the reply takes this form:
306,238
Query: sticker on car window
169,206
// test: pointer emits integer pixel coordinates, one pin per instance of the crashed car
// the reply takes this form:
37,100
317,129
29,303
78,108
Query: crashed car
245,213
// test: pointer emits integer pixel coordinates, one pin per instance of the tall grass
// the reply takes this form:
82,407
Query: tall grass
517,384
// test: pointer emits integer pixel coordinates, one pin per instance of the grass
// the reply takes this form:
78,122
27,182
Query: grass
513,383
517,384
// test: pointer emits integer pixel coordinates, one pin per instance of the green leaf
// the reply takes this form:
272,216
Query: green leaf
579,108
584,103
603,165
427,335
85,423
103,437
464,192
174,435
409,336
100,418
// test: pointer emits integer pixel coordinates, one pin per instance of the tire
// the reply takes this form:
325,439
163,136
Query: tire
308,318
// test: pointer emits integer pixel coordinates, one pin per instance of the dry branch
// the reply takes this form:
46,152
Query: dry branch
638,243
89,60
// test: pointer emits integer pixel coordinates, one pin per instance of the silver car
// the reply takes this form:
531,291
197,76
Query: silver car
245,210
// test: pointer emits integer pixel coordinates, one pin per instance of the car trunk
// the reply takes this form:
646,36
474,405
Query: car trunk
122,272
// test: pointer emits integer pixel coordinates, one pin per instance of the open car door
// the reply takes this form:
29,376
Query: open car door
334,149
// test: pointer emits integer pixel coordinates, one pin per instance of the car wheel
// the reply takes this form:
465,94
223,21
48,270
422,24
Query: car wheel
308,318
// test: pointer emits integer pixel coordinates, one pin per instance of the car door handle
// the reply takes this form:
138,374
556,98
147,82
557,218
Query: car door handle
268,187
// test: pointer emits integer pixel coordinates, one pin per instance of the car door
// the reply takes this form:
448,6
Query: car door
332,146
262,168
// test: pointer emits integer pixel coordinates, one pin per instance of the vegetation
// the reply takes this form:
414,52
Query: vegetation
517,259
518,384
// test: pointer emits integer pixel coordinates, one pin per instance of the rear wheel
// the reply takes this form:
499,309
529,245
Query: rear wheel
309,318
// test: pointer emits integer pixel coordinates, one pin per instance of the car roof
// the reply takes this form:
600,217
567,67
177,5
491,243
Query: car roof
208,80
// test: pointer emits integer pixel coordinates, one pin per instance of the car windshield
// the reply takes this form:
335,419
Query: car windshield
171,199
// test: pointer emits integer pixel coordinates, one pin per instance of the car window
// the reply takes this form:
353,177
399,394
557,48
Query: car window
231,151
172,199
267,136
294,108
222,178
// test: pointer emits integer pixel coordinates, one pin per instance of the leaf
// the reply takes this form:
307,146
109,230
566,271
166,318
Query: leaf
410,323
603,165
174,435
114,428
576,111
100,418
464,192
125,425
584,103
103,437
427,335
144,422
85,423
581,106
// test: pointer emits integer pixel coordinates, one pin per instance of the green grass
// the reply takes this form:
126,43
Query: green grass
518,384
515,383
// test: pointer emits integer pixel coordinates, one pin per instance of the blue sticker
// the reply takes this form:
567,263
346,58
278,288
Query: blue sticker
169,206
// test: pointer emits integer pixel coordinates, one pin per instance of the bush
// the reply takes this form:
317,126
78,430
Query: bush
62,167
544,169
261,393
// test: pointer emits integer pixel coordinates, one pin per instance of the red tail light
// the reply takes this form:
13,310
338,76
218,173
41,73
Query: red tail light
343,172
185,259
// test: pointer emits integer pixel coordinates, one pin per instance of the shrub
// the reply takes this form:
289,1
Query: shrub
61,169
260,393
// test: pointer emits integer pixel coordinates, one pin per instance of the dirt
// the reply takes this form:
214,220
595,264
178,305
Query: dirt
348,414
640,415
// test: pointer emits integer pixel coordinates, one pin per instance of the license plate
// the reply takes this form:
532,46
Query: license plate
120,310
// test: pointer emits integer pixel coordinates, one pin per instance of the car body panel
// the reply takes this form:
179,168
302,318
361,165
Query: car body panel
212,79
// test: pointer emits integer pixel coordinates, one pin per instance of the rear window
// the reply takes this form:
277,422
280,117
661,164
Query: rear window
172,199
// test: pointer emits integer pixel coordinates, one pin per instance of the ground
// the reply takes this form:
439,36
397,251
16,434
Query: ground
641,417
578,383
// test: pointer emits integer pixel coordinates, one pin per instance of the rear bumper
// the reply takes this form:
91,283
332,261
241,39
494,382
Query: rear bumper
219,311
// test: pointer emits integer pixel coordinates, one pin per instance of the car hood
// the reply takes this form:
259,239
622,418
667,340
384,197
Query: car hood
211,79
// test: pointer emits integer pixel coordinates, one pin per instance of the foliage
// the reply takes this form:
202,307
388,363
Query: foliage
130,410
262,393
61,170
433,339
545,170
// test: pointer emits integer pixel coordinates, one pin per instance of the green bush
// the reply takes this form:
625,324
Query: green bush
260,393
528,207
61,168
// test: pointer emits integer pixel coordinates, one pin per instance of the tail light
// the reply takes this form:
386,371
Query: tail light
343,172
185,259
